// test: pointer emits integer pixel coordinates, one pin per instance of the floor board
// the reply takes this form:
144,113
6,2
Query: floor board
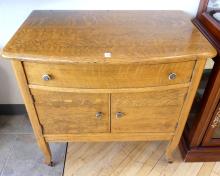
130,159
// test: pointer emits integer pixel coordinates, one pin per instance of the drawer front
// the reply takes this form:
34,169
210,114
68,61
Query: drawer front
156,111
108,75
69,113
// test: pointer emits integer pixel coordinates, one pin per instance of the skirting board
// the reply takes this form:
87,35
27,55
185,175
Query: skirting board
12,109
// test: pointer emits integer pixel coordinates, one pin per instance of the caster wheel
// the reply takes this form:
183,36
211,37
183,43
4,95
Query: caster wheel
170,162
51,164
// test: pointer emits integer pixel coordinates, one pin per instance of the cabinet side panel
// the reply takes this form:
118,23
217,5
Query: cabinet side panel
22,82
197,73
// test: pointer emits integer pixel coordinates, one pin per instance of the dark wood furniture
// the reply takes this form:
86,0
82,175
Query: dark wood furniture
201,137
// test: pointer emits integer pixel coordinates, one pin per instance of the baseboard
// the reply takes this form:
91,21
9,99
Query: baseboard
12,109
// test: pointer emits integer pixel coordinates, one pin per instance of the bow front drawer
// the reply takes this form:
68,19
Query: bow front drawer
108,75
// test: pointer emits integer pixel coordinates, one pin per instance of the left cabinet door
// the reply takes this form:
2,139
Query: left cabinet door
72,113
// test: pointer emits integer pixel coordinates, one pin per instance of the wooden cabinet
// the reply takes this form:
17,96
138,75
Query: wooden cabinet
108,75
201,138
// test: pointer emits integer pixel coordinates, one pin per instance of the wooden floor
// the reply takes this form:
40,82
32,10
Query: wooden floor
130,159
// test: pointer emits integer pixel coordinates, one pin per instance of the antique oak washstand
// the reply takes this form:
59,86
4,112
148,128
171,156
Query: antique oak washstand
108,75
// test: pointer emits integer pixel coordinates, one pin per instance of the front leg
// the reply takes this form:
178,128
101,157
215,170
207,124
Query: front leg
169,154
45,148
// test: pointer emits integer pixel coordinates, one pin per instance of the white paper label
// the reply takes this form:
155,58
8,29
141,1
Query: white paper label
107,54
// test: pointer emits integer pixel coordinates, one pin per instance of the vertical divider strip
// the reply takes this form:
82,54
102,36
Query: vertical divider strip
110,114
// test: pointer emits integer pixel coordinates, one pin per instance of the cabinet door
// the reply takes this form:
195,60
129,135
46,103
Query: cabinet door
156,111
212,135
70,113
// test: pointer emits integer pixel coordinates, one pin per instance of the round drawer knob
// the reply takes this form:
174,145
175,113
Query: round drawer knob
46,77
172,76
119,115
99,115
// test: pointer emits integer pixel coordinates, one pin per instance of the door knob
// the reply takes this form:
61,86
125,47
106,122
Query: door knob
46,77
172,76
99,115
119,115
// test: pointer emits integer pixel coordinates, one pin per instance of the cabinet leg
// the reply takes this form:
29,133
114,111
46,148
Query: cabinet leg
169,157
169,153
45,148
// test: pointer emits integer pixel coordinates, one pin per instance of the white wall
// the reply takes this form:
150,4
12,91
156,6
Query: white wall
14,12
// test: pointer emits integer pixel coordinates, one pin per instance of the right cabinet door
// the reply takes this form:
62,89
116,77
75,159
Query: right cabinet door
155,111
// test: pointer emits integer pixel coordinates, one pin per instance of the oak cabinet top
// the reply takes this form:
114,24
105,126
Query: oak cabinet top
107,37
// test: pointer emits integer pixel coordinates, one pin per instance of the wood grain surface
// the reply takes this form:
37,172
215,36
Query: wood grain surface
84,36
69,113
101,137
29,104
147,112
108,76
144,47
130,159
